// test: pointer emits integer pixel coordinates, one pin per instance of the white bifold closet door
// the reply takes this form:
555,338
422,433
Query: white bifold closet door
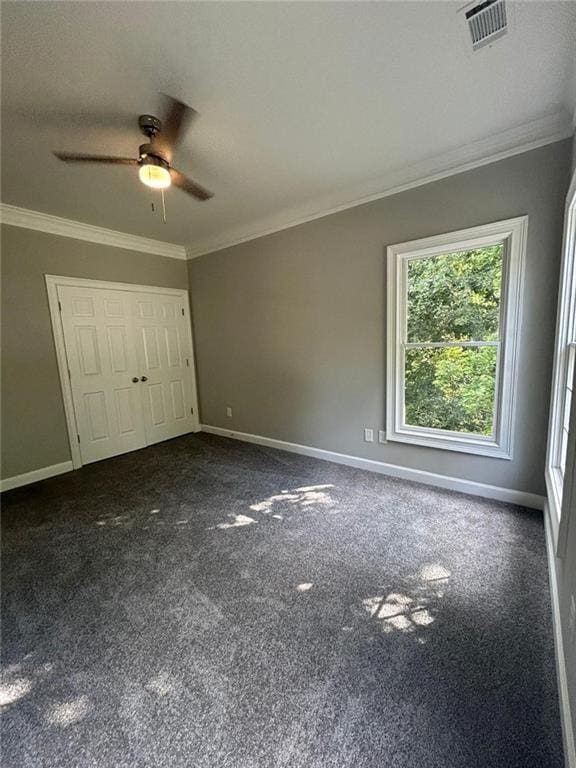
128,357
161,336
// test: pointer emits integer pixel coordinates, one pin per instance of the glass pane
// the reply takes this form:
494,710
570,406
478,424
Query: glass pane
451,388
567,405
455,296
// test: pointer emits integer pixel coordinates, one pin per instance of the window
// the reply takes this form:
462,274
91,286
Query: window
453,320
564,364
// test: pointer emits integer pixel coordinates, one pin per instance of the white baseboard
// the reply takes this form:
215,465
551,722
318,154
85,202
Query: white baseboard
405,473
35,476
565,709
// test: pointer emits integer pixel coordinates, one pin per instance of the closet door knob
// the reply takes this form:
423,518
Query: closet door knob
135,380
144,378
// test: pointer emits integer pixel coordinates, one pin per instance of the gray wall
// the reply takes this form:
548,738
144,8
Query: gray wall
290,328
34,431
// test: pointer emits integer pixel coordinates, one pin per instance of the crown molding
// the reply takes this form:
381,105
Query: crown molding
54,225
523,138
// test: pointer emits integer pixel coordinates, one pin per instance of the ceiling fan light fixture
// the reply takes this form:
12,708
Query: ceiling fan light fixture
154,173
155,156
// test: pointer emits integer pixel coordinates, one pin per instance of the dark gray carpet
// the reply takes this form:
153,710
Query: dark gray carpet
212,604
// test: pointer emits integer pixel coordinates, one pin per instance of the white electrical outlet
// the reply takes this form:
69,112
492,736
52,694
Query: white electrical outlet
229,412
572,619
381,435
369,435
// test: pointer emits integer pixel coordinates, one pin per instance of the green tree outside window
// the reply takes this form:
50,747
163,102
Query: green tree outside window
453,298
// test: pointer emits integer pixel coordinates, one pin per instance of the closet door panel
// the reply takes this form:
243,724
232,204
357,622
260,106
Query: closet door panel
101,355
161,327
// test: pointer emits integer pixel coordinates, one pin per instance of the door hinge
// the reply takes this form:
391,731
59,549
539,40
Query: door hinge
182,310
69,374
187,363
78,436
192,411
60,306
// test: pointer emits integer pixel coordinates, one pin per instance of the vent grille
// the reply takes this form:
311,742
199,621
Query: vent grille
487,22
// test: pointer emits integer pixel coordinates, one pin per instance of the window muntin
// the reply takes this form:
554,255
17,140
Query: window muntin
453,319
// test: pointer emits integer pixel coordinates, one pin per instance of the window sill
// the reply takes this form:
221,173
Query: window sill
452,443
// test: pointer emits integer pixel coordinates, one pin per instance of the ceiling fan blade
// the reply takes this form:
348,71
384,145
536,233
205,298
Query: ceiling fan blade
73,157
189,186
177,117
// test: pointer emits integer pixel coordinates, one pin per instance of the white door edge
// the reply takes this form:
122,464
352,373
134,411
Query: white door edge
52,284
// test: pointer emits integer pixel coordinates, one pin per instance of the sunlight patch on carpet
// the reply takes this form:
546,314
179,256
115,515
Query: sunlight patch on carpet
68,712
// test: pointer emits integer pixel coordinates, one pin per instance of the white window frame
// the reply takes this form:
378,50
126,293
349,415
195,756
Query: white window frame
564,348
512,234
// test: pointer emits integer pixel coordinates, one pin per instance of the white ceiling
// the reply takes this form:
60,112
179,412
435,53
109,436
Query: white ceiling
303,106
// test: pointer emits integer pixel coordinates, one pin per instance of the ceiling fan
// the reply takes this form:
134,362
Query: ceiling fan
155,157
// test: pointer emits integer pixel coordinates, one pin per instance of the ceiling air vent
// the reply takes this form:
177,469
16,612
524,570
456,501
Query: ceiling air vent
486,22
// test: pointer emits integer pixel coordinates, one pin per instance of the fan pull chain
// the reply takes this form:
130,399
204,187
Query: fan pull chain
163,207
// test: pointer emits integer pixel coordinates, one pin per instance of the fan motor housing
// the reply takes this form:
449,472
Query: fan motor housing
149,125
149,155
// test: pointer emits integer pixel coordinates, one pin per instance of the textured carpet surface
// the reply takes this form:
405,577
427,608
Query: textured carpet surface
212,604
